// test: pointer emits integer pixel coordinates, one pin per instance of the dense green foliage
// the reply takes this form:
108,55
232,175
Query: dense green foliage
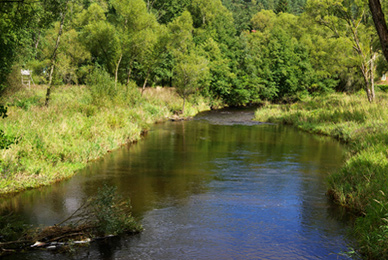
112,213
255,50
384,88
361,184
11,228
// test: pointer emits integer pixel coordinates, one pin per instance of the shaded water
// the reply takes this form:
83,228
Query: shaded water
218,187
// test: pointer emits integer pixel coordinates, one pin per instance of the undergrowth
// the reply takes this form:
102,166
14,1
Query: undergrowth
362,183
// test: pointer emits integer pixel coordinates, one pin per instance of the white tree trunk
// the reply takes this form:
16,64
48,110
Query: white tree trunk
54,56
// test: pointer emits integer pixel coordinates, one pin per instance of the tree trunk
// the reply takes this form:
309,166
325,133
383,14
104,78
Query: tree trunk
145,83
117,69
367,84
372,76
183,106
129,74
369,94
37,40
380,24
54,56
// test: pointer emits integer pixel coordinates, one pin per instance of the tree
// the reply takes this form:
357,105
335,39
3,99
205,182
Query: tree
215,33
152,57
63,6
348,19
243,11
190,72
212,20
167,10
277,66
16,22
181,34
100,37
138,30
380,24
220,73
333,69
282,7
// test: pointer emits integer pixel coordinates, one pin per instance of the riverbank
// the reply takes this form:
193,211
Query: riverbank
362,183
49,144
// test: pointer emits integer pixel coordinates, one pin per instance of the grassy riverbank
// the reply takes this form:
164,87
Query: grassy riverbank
50,144
362,183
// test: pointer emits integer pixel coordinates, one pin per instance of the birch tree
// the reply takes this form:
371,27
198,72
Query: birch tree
190,72
350,19
63,6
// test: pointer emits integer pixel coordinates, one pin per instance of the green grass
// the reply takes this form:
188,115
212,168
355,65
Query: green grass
362,183
79,126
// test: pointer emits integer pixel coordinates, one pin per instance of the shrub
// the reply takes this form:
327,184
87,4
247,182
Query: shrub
383,88
112,213
11,227
102,86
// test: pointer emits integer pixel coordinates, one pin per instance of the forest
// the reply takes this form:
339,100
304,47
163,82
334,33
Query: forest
234,52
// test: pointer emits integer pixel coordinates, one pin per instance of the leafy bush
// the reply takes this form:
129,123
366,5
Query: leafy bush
102,86
383,88
5,140
11,228
13,82
112,213
27,102
3,111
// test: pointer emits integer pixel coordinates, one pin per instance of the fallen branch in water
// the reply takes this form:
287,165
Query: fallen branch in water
105,214
13,243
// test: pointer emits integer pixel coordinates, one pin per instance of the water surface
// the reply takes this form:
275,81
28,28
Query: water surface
217,187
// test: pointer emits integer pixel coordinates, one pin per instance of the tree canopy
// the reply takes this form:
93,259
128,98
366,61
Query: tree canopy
256,50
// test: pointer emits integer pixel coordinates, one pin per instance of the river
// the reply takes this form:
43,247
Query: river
217,187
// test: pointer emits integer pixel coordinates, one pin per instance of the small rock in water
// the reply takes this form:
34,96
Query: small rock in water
83,241
38,244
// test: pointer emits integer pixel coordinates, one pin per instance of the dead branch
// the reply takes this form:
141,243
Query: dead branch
66,236
14,243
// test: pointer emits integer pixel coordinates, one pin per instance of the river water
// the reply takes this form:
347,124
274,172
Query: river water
217,187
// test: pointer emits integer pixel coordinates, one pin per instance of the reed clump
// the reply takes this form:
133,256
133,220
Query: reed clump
362,183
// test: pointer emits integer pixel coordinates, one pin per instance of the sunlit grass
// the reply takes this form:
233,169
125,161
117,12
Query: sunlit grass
168,97
52,143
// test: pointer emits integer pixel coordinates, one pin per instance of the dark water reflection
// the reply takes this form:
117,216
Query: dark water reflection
217,187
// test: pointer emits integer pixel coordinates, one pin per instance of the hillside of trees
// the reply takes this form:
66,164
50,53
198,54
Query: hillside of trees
233,51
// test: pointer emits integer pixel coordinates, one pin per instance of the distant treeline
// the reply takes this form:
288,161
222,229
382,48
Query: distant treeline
233,51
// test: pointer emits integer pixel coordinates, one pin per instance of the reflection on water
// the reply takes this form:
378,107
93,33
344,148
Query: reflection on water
217,187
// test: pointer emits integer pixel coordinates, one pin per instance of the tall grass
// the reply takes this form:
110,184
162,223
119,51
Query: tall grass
362,183
81,124
168,96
